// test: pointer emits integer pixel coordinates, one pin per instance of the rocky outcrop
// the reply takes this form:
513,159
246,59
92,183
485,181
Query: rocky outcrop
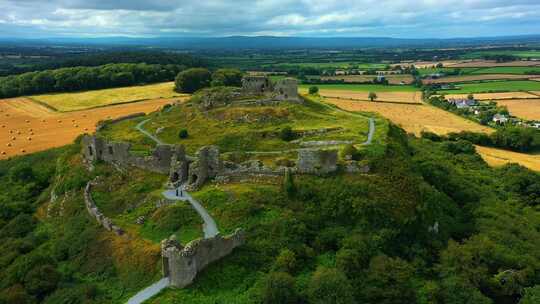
182,264
96,214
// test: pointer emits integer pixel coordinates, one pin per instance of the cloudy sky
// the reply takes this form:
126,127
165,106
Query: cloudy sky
314,18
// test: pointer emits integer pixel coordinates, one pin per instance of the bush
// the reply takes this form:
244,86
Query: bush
287,134
349,152
313,90
430,136
192,80
227,77
286,261
279,288
460,146
330,286
183,134
288,184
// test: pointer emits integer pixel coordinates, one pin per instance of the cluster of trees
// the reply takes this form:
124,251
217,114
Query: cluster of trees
86,78
486,112
194,79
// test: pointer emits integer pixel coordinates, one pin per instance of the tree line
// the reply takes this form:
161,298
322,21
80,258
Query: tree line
86,78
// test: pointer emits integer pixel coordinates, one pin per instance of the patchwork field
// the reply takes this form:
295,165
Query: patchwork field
467,78
65,102
496,86
26,126
401,97
498,157
528,70
493,63
414,118
496,96
392,79
523,108
377,88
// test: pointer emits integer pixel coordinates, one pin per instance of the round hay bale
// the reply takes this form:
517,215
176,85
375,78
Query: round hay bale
76,126
29,138
23,151
19,132
27,121
59,121
43,120
73,120
3,152
10,131
13,138
8,144
86,129
3,126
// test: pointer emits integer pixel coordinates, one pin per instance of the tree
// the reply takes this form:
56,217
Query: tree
285,261
192,80
330,286
287,134
313,90
288,183
470,96
227,77
279,288
372,96
531,296
183,134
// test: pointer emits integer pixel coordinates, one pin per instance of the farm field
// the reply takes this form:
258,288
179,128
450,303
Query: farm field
528,70
521,54
499,157
466,78
41,128
392,79
401,97
418,118
492,63
338,65
496,96
362,87
65,102
523,108
414,118
496,86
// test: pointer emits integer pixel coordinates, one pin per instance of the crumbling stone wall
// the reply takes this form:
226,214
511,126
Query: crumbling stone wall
96,214
284,89
206,166
95,148
317,161
182,264
103,124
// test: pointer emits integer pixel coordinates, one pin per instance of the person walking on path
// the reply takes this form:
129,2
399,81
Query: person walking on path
176,191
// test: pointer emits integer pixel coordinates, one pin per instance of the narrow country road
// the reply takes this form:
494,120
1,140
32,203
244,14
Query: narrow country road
371,132
210,228
139,127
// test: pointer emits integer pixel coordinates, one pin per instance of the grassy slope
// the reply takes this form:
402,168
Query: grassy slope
245,128
90,99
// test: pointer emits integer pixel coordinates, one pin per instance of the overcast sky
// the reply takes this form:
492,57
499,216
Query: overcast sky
314,18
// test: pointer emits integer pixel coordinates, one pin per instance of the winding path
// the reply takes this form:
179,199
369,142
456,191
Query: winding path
149,291
371,132
139,128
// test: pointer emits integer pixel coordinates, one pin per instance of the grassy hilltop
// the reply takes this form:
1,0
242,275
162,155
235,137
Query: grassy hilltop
430,223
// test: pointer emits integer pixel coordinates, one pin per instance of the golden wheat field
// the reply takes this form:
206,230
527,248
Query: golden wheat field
65,102
26,126
392,79
523,108
496,96
414,118
402,97
498,157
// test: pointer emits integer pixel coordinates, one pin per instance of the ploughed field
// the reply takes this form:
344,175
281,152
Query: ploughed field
65,102
26,126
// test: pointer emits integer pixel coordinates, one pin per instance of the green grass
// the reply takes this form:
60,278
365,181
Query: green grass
495,86
330,65
242,128
520,54
364,87
508,70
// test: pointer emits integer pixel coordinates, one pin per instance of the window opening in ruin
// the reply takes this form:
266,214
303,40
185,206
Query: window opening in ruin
90,151
110,150
175,177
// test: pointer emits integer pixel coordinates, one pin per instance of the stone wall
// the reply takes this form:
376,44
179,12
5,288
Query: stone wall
182,264
283,89
96,214
103,124
95,148
317,161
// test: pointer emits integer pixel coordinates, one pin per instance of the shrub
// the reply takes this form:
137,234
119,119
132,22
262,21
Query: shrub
285,261
372,96
183,134
349,152
460,146
279,288
192,80
288,184
430,136
287,134
330,286
313,90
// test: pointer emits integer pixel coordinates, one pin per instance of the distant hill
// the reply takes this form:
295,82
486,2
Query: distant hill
271,42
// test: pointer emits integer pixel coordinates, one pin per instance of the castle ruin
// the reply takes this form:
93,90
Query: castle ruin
282,90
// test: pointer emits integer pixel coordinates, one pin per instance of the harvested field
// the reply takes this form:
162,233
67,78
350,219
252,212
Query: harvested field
495,96
535,79
97,98
392,79
426,64
414,118
498,157
493,63
523,108
399,97
26,126
465,78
